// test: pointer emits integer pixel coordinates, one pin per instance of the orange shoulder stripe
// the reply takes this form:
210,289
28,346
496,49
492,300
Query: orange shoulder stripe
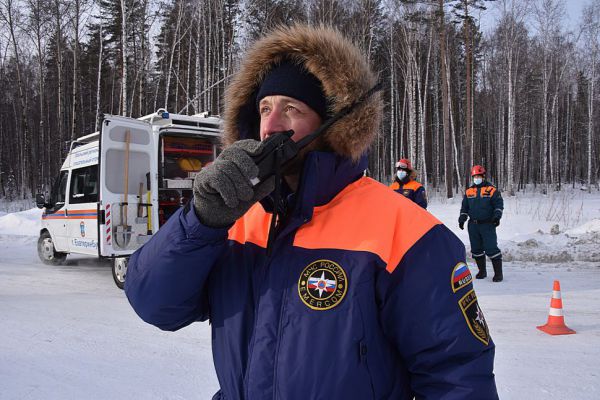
253,227
414,185
395,185
366,216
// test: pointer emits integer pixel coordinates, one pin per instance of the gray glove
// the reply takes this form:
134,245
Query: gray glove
222,190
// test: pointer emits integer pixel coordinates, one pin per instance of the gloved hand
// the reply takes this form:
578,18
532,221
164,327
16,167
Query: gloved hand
496,221
461,221
222,190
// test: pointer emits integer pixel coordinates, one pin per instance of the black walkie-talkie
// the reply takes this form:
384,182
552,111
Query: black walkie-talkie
266,159
280,145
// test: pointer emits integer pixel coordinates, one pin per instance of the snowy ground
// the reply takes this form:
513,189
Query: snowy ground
68,332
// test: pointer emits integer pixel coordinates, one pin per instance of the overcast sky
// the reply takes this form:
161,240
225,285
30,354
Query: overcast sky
571,20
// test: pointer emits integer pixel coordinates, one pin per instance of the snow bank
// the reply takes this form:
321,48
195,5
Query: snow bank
581,243
24,223
590,227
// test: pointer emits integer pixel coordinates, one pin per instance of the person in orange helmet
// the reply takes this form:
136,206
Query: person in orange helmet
405,183
483,206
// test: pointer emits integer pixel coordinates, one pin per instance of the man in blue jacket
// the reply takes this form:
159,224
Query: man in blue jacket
483,205
353,292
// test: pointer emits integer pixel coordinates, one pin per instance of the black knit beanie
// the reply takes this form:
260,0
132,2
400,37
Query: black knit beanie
292,80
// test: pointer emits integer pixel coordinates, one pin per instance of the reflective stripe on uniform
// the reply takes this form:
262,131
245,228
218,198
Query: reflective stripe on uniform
340,224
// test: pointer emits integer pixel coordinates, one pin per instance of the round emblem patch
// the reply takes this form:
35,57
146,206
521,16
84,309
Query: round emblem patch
322,285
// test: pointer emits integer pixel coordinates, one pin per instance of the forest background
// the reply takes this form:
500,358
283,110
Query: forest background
520,99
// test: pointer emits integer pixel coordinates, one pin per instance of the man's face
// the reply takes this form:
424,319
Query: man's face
282,113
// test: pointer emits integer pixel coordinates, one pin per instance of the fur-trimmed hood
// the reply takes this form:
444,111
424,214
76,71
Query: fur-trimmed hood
333,59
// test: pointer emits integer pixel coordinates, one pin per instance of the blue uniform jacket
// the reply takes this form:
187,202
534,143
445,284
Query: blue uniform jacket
365,295
482,202
413,190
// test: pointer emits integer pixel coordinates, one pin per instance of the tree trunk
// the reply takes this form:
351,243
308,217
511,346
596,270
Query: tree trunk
26,154
445,111
75,92
99,77
124,53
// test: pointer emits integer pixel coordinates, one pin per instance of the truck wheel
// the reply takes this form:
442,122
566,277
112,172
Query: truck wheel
47,252
119,271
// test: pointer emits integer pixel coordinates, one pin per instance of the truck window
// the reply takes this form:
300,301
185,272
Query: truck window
84,185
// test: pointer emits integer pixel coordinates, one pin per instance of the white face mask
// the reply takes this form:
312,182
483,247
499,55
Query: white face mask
477,181
401,174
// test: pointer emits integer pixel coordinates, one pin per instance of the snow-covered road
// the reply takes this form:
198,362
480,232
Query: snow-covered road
67,332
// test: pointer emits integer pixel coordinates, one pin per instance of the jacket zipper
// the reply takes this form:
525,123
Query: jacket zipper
279,338
265,266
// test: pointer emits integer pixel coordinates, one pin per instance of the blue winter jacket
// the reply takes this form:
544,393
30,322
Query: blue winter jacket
412,190
365,295
482,202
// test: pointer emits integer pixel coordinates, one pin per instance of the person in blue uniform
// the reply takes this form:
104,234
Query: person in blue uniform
482,205
353,292
406,183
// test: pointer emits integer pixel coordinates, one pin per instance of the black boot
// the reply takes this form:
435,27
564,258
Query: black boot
497,264
481,265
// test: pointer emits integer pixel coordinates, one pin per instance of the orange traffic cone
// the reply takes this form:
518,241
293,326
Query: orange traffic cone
556,320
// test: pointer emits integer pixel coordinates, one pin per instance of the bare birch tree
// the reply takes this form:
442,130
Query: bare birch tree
591,34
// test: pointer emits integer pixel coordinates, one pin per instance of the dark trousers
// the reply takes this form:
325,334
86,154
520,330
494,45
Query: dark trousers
483,240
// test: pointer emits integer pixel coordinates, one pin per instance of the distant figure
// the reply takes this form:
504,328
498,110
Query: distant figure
483,205
405,183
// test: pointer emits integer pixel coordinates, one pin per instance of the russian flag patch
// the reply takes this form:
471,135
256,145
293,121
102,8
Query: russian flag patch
461,276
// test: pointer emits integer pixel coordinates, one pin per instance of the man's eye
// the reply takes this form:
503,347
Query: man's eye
264,110
291,108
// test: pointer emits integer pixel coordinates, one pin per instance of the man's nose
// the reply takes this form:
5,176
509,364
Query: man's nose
272,123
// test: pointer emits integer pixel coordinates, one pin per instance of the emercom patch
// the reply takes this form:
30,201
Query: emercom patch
474,316
461,277
322,285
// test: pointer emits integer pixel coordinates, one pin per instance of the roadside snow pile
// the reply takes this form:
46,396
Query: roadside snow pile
24,223
578,244
591,227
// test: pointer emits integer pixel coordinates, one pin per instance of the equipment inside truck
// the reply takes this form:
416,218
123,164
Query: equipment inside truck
180,159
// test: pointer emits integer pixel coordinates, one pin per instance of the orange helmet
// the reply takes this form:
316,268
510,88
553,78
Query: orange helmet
404,163
477,170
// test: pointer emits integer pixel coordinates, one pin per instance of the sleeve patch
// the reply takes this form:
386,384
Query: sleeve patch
474,317
461,277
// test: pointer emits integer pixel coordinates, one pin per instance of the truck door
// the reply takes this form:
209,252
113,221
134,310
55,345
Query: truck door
54,217
126,157
82,210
